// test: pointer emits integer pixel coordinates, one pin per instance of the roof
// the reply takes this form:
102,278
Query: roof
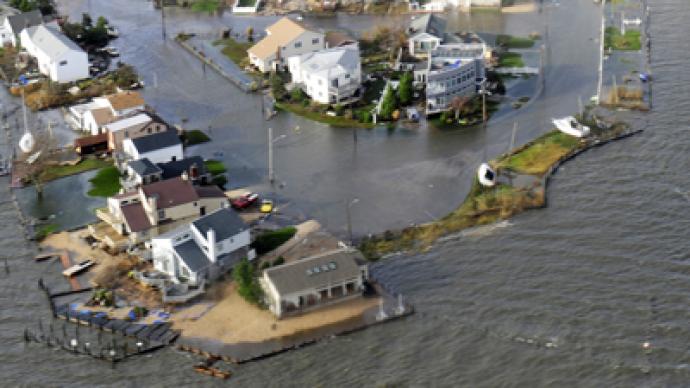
177,167
102,116
138,120
25,20
462,37
429,23
192,256
144,167
91,140
316,271
343,59
135,217
225,222
280,33
171,192
338,38
156,141
125,100
209,192
51,41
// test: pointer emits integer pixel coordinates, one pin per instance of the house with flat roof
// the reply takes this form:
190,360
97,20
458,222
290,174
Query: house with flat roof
156,208
328,76
58,56
203,249
13,25
314,281
157,147
284,39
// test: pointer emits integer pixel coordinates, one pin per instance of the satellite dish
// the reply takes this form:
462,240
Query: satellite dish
487,176
27,142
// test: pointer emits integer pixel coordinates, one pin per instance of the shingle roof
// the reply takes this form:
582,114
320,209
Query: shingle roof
25,20
280,33
171,192
192,256
102,116
177,167
343,59
144,167
135,217
209,192
430,24
125,100
316,271
225,222
156,141
52,42
139,121
91,140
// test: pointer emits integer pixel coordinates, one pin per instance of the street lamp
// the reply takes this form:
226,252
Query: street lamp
349,218
271,140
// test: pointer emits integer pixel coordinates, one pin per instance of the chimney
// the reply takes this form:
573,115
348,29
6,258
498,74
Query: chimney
211,241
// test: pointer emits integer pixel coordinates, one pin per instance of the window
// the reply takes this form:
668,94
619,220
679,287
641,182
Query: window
298,44
63,63
161,214
315,41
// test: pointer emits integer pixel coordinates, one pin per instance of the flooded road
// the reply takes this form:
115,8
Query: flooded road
563,296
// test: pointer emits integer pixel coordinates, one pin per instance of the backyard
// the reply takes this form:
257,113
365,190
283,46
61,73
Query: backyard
106,183
55,172
615,40
236,51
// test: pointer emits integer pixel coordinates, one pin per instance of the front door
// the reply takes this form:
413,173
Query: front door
202,211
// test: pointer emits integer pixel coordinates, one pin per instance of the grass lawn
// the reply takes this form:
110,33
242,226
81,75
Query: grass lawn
536,158
106,183
215,167
509,59
246,3
194,136
613,39
205,5
335,121
45,230
236,51
509,41
56,172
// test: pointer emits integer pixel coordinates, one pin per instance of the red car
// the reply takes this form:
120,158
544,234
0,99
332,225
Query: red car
245,201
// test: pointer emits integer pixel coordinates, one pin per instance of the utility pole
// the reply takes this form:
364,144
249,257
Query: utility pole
271,178
512,137
349,218
163,19
601,51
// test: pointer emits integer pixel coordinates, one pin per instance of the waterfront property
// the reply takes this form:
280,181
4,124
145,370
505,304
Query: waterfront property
426,33
451,77
143,171
92,116
134,126
92,144
323,279
58,57
138,215
13,25
328,76
284,39
157,147
203,249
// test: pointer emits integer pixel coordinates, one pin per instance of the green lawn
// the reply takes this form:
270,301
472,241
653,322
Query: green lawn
194,136
56,172
509,59
334,121
269,241
541,154
205,6
509,41
613,39
236,51
215,167
46,230
106,183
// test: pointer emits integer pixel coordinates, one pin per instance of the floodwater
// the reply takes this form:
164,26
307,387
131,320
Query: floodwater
563,296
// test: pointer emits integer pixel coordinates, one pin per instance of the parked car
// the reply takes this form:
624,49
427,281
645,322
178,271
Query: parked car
244,201
266,206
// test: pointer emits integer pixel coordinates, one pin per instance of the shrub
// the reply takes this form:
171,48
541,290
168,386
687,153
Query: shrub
279,261
247,285
269,241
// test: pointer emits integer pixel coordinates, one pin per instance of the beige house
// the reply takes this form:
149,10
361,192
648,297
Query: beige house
132,127
314,281
138,215
284,39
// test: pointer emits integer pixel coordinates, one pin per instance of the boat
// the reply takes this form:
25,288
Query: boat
78,268
570,126
27,142
486,175
46,256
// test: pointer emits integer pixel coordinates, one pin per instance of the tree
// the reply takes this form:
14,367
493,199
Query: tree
247,285
277,86
250,33
405,89
37,161
102,22
457,104
86,20
388,104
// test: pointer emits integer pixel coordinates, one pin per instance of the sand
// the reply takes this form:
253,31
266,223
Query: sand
519,8
232,320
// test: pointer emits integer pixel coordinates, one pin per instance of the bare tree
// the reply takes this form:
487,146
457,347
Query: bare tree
458,103
39,159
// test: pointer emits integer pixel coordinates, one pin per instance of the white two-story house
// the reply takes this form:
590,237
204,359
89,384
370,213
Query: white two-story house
58,57
328,76
203,249
284,39
158,147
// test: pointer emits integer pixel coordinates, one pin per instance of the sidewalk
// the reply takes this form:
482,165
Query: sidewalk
203,48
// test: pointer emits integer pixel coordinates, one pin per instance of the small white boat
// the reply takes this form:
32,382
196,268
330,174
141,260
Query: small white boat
78,268
27,142
570,126
486,175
